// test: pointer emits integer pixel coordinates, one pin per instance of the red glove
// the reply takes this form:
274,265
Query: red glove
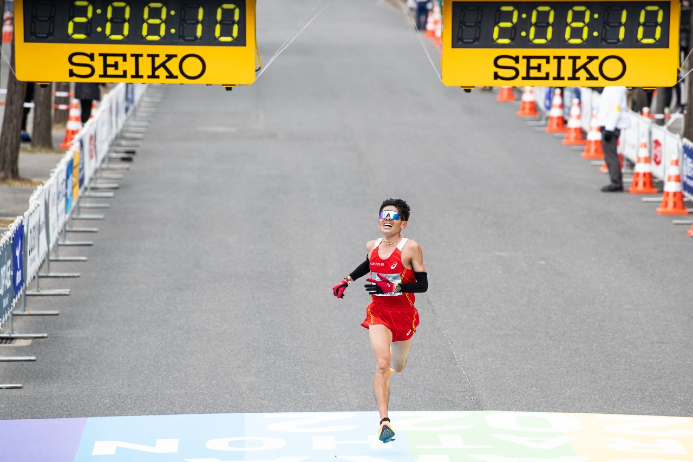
379,287
339,289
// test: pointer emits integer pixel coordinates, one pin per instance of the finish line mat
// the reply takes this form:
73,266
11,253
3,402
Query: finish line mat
350,436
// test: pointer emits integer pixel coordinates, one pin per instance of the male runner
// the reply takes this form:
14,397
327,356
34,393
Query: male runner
397,272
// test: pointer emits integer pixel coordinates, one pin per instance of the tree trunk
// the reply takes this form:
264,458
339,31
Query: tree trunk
11,124
60,115
41,136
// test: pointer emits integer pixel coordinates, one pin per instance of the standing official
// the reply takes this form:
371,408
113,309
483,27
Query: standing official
397,272
422,10
613,117
87,93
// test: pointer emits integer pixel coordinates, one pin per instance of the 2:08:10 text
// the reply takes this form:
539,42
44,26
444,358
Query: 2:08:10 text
98,21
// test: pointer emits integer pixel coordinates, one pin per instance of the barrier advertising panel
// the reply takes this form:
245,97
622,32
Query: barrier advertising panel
31,218
6,285
61,198
632,139
103,129
87,161
687,171
76,173
18,257
658,160
52,202
672,149
40,197
69,169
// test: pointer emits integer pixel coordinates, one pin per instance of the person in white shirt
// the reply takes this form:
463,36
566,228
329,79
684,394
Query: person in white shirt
613,117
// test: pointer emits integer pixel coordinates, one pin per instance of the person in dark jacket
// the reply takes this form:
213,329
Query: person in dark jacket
87,93
28,98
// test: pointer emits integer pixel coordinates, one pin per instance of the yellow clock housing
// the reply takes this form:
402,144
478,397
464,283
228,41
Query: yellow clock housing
166,41
560,43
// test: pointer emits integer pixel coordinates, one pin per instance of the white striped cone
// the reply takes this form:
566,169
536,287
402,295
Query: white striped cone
574,120
672,200
527,107
438,23
528,94
7,28
642,173
593,147
574,136
430,26
594,134
556,104
556,123
74,124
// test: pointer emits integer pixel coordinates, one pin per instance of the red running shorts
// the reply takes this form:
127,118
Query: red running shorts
402,323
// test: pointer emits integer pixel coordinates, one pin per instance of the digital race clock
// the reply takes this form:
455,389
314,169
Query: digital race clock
560,43
168,41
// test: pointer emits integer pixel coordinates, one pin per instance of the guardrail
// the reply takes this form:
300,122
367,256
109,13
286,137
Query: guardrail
33,239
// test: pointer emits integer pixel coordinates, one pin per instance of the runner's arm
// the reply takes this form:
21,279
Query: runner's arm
415,255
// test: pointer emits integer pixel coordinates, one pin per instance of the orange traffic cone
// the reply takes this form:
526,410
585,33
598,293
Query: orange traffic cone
556,121
642,174
672,201
74,124
593,147
528,107
506,94
430,27
7,28
690,232
438,26
574,136
646,112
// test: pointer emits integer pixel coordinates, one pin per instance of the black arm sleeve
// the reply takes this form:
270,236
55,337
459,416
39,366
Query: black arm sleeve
361,270
421,284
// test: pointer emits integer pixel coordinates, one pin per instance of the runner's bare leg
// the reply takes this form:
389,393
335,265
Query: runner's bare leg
381,339
400,351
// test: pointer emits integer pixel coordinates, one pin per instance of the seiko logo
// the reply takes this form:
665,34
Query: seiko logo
112,65
539,67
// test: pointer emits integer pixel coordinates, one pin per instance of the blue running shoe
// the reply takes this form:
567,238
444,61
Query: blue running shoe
386,433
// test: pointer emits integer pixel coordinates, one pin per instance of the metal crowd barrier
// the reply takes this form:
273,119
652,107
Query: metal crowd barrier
33,240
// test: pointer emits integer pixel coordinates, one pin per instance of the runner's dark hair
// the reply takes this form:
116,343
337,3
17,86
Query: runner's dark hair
402,207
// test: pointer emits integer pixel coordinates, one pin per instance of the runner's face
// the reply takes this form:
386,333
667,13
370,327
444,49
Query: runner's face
389,226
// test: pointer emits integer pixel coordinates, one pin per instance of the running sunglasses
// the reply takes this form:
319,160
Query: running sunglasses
389,214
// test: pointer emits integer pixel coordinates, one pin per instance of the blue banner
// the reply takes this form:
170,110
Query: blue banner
548,99
687,176
18,259
6,283
81,162
68,187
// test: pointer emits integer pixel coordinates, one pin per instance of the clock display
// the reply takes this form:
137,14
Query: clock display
136,22
595,25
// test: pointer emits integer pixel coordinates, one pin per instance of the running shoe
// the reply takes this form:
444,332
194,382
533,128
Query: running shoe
386,433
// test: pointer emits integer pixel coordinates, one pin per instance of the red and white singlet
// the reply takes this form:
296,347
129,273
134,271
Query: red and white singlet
395,272
394,310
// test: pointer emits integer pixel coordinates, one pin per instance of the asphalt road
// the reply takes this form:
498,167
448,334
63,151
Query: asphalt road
209,285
